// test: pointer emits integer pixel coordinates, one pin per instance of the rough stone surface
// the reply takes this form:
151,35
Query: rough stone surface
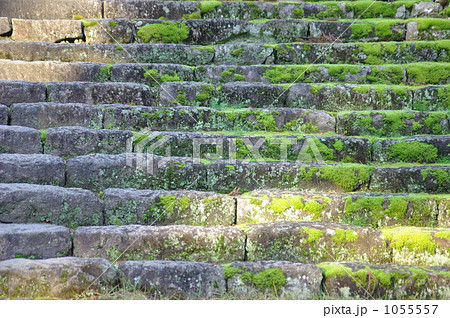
98,172
17,139
39,169
33,241
61,278
5,26
30,203
176,242
21,92
176,279
148,9
249,53
415,179
390,281
301,281
51,9
46,30
75,141
43,71
186,93
256,95
158,207
314,242
99,93
142,73
46,115
426,10
109,31
3,114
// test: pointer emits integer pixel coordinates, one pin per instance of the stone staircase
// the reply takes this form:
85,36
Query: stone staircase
321,134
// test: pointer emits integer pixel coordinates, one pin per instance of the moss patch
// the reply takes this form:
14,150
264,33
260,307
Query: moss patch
165,32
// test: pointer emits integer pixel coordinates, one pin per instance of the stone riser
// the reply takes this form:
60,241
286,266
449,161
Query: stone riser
156,74
98,172
306,242
215,31
192,280
294,53
232,10
72,207
328,97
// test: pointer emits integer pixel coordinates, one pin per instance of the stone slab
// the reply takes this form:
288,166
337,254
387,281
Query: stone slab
17,139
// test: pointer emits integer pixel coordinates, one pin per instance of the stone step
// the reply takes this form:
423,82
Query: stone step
34,241
327,96
31,203
218,244
32,168
57,278
72,277
234,54
203,118
218,30
160,207
145,171
390,281
392,123
374,210
75,92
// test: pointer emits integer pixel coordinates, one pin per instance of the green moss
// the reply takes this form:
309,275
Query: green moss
346,176
239,77
194,15
338,145
113,24
440,175
443,235
78,17
205,92
104,74
298,13
314,234
119,48
43,137
181,99
209,6
330,270
88,24
360,31
412,151
363,89
166,32
230,167
237,52
230,272
344,236
269,279
413,239
428,72
326,152
340,71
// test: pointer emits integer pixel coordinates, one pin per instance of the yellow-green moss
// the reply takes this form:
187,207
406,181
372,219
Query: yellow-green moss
414,239
412,151
165,32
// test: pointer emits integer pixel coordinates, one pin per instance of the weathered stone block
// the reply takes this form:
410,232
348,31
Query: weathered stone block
51,9
24,168
186,94
431,98
416,179
255,95
17,139
154,207
21,92
43,71
99,93
444,212
151,74
331,30
280,31
4,111
242,11
392,123
243,54
5,26
62,278
70,142
135,9
131,170
176,279
316,242
385,281
230,73
33,241
46,115
176,242
426,10
30,203
294,280
46,30
109,31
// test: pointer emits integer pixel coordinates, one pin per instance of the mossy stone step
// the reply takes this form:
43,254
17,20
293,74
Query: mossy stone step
235,54
34,241
31,203
390,281
176,242
61,278
374,210
315,242
159,207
